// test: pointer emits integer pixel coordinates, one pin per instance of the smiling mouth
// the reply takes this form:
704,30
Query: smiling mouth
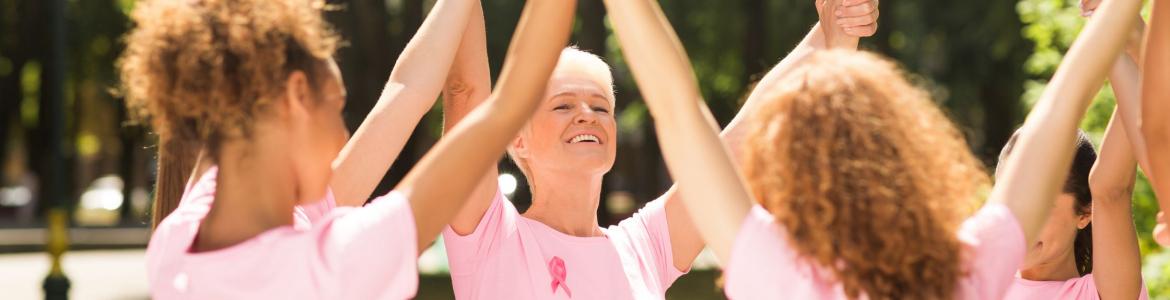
585,138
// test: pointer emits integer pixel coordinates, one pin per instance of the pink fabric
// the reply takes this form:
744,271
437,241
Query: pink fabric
764,266
1080,288
509,256
342,253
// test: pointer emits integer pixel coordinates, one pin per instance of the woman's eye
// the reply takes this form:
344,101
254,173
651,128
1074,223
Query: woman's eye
601,109
561,107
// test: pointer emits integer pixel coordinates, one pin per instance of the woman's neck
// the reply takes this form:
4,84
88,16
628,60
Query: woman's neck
253,194
567,202
1061,269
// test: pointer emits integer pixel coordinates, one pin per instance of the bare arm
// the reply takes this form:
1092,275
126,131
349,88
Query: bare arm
862,17
1155,127
1034,174
1131,115
694,154
442,181
410,92
1130,110
468,85
1116,259
685,241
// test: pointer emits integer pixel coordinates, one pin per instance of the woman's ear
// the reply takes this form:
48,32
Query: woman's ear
1084,219
519,148
297,96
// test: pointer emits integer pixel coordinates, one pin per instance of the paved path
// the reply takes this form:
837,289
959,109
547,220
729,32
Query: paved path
104,274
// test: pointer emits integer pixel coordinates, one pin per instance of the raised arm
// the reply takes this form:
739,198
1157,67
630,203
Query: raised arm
442,181
468,85
1130,111
697,159
855,18
1156,110
1034,174
1116,259
410,92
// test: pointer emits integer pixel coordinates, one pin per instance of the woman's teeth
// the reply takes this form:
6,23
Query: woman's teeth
585,138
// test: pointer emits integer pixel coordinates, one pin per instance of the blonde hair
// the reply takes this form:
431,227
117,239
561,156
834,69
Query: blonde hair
573,60
867,176
200,69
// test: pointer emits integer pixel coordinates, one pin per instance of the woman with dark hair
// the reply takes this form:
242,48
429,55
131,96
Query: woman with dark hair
1062,264
1088,249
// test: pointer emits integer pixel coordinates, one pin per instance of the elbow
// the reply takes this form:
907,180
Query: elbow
456,87
1155,133
1112,192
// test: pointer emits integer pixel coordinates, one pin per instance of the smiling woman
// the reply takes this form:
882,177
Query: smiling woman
581,90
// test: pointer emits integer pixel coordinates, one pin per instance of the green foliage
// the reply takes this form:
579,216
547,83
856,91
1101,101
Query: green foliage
1053,25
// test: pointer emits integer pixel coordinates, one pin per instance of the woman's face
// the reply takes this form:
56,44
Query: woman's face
1055,242
573,129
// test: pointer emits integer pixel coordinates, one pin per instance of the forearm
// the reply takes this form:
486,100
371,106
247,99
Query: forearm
1155,127
835,36
443,179
694,154
1116,259
1034,173
469,80
410,92
735,132
469,85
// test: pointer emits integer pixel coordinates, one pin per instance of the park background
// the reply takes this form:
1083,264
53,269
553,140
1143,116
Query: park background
67,146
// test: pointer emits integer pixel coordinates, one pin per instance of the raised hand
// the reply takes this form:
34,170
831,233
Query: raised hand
857,17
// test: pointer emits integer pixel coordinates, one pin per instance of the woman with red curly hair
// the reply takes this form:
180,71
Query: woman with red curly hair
253,83
860,183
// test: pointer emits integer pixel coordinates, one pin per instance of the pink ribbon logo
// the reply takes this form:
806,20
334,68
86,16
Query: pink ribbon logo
556,269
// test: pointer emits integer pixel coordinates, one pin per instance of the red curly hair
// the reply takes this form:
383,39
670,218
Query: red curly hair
867,176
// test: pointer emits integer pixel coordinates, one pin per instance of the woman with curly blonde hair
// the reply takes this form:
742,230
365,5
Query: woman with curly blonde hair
860,182
253,83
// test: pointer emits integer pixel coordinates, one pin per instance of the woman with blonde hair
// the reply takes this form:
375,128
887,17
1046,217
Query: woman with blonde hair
556,249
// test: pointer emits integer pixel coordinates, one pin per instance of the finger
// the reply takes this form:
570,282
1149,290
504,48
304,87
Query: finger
861,31
856,10
854,2
855,21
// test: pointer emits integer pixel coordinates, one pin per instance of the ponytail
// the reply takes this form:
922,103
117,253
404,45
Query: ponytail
176,161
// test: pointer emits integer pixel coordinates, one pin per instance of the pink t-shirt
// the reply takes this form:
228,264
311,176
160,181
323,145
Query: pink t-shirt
329,253
1080,288
764,266
509,256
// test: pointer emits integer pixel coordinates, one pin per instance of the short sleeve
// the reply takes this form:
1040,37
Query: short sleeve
648,234
314,212
498,223
994,242
372,249
762,262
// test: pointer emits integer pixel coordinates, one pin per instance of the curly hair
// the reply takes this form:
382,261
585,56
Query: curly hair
198,70
868,177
